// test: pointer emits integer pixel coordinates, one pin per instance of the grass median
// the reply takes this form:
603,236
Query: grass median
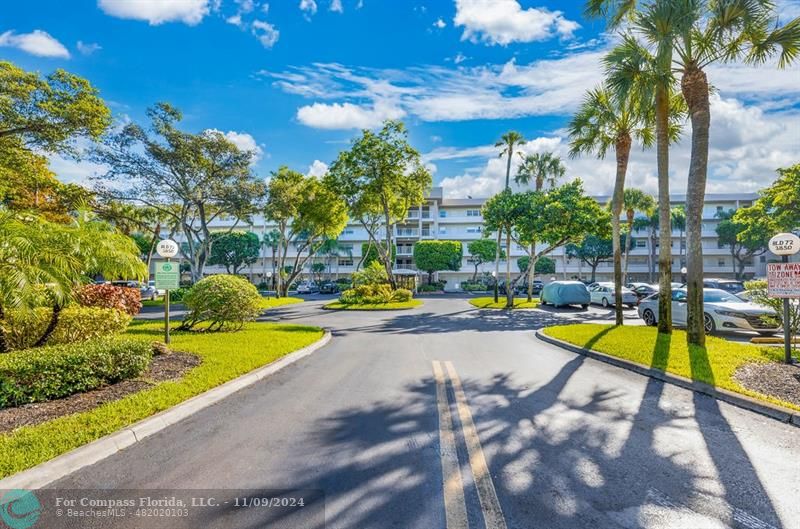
270,303
399,305
487,302
714,364
224,355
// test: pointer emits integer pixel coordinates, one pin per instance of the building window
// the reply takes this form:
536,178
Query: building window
763,259
442,230
720,262
473,213
641,243
442,213
720,244
719,209
348,231
474,229
346,262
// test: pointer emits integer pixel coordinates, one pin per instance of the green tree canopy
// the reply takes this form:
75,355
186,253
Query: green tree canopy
49,113
190,179
592,250
544,265
433,256
380,177
234,250
743,247
776,210
483,251
307,212
369,253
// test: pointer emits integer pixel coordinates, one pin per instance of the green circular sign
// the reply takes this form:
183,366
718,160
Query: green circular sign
20,509
166,267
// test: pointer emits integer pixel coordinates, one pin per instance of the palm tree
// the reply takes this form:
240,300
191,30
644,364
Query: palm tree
650,222
538,168
634,71
604,122
689,36
270,240
633,201
678,215
329,249
508,141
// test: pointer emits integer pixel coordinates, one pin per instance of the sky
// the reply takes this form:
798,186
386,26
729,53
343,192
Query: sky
296,80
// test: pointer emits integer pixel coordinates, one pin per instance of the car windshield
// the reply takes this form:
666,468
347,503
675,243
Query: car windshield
731,286
720,296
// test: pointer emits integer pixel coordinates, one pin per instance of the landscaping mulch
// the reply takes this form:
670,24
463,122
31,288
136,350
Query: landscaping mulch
163,367
776,380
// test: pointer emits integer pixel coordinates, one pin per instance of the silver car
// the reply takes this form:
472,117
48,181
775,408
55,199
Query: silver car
603,294
723,311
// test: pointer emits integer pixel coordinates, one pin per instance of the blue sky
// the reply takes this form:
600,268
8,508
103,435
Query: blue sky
296,79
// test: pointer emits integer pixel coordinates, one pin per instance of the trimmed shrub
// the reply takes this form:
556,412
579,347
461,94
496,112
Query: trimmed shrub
53,372
75,324
224,301
401,295
176,296
106,296
372,274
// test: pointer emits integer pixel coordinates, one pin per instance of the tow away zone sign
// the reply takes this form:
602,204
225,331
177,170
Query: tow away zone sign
783,280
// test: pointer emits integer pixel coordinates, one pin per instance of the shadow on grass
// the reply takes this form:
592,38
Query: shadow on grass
661,351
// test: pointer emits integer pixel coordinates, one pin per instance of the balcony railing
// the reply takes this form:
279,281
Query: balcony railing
407,232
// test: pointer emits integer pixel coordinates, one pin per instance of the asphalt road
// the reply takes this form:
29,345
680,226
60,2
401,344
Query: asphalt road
450,417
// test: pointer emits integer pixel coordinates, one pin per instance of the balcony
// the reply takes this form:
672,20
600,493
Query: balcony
406,232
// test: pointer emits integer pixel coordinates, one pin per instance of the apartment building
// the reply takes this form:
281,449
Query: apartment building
460,219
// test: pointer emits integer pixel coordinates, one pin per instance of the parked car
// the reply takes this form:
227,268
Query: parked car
560,293
159,291
328,287
722,311
145,290
307,287
642,290
734,286
603,294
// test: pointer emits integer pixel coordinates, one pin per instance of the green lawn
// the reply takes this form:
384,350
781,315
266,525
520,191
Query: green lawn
225,356
336,305
715,364
159,302
269,303
488,302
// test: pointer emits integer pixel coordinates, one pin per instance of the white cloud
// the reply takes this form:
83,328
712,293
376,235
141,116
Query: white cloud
747,145
505,21
336,6
37,42
309,6
236,20
156,12
88,48
317,168
265,32
459,58
440,23
347,115
244,141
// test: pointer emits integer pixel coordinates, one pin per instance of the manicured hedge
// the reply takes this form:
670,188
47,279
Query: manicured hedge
75,324
46,373
224,302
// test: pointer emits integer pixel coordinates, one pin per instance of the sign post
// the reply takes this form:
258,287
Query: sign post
167,277
783,281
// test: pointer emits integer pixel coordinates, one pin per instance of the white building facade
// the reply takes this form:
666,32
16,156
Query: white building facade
460,219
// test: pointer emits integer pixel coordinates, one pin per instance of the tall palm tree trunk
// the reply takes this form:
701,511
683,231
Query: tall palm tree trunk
509,286
694,86
664,212
497,265
531,271
622,150
628,244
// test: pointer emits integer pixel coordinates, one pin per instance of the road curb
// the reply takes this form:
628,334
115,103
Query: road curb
65,464
742,401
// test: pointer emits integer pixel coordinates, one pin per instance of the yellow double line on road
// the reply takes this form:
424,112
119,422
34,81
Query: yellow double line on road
454,502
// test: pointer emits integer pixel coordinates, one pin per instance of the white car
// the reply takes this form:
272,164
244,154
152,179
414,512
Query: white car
603,294
723,311
307,288
159,291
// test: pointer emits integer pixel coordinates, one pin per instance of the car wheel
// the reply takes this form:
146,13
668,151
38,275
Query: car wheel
708,323
604,303
585,306
768,333
649,318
